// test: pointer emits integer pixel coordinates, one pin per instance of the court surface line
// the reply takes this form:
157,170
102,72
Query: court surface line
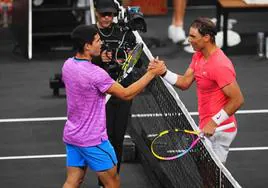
133,115
64,155
261,111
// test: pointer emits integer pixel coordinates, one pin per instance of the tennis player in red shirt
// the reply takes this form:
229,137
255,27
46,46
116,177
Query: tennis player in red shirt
218,92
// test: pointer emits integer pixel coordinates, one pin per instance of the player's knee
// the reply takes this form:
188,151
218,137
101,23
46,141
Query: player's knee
71,182
116,180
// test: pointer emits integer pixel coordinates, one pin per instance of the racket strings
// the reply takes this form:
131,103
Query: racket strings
172,143
130,62
157,117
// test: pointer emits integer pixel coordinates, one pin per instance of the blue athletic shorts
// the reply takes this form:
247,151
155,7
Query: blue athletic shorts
98,158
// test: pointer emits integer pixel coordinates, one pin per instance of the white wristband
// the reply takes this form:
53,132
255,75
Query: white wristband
171,77
220,117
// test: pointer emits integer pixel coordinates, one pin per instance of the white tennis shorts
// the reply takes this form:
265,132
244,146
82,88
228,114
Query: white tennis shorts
220,143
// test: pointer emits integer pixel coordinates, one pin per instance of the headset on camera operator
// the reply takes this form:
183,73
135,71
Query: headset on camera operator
118,41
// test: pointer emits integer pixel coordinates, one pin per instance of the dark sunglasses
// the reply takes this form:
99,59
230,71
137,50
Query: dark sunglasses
103,14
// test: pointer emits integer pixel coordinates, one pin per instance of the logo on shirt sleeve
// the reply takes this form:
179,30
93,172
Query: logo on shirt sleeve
218,117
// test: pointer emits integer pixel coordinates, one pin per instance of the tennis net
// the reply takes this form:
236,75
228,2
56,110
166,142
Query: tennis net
159,108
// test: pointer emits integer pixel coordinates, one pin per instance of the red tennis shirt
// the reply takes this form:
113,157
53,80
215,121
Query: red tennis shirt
211,76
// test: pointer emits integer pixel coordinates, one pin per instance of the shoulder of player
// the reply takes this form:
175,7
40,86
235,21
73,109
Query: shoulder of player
91,72
69,63
197,56
220,59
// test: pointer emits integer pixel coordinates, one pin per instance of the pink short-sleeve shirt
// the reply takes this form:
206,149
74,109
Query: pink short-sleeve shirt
211,76
85,85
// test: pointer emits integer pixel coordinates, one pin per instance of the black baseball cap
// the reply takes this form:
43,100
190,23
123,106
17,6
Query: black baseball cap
105,6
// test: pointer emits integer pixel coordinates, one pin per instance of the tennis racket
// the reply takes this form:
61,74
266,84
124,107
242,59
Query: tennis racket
129,64
173,144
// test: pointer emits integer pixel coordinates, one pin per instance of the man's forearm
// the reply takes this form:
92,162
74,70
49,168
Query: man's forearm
138,86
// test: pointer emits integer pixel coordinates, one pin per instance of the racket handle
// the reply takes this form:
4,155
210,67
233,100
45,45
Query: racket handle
224,127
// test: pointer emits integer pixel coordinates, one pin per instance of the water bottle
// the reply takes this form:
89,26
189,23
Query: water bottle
260,42
266,47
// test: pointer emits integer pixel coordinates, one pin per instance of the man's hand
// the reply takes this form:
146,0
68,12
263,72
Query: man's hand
157,67
209,128
106,56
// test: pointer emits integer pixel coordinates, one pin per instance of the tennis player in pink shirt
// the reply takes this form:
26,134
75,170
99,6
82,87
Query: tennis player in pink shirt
218,92
85,134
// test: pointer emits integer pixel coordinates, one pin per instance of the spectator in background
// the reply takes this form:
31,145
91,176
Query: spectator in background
175,31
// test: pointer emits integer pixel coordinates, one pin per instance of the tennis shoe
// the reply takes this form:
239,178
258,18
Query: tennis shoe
176,33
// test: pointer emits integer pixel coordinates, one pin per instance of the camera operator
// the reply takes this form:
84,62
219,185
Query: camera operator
117,42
